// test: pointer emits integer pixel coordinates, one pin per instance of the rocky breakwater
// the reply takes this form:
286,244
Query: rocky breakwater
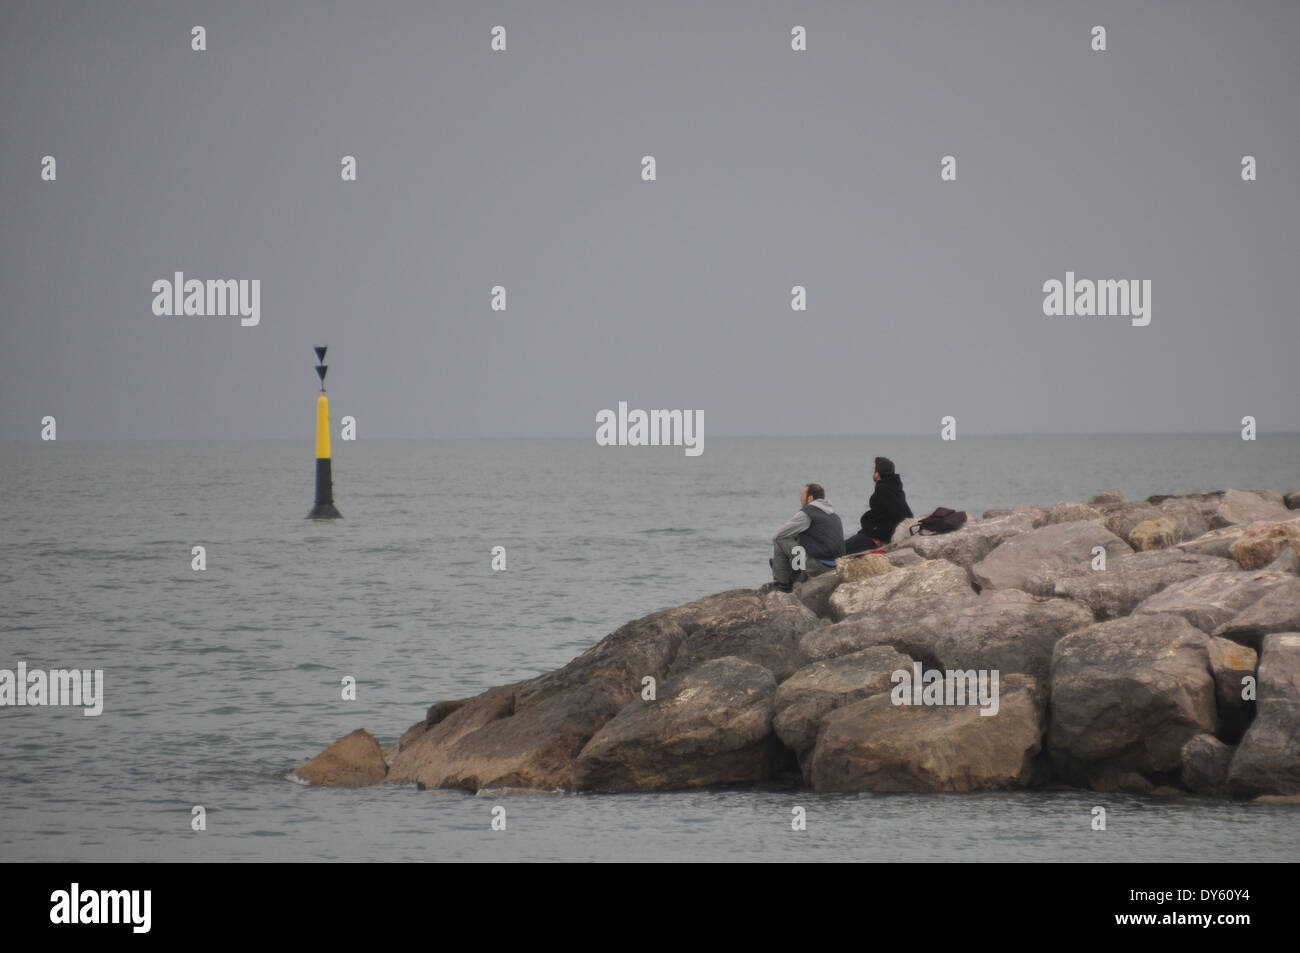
1107,644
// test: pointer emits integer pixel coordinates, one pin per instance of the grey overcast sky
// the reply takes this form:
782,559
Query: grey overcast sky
523,169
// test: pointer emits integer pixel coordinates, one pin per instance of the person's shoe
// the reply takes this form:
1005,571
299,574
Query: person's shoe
776,587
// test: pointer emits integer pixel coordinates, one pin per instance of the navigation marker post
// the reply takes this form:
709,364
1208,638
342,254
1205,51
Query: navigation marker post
324,508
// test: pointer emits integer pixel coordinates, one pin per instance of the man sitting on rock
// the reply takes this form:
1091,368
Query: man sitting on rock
885,510
816,528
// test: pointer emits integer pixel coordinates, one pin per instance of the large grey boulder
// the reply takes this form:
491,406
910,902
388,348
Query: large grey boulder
1243,507
1209,601
1126,695
1217,542
1129,579
903,531
911,626
646,646
710,725
534,747
1187,516
1278,610
761,628
806,697
974,541
1292,500
1005,629
527,735
923,585
424,757
1205,761
1268,759
1288,562
877,745
1008,630
1029,561
815,593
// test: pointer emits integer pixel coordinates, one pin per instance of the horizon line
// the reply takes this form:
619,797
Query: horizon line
723,436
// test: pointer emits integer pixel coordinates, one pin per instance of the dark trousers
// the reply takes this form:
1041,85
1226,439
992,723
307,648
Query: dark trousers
782,557
861,543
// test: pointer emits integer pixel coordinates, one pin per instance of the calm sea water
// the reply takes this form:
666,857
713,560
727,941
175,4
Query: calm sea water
217,683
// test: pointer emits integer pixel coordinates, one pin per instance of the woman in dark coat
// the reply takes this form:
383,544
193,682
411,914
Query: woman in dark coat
885,510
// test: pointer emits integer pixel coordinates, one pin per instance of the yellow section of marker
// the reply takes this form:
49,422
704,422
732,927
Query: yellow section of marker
322,427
